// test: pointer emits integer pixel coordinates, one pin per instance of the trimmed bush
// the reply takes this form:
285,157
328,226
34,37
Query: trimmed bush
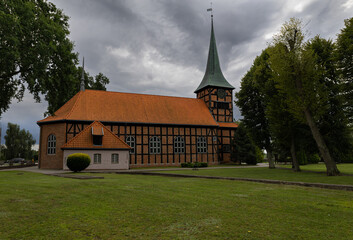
194,165
77,162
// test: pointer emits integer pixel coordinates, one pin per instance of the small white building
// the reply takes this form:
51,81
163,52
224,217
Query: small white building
106,150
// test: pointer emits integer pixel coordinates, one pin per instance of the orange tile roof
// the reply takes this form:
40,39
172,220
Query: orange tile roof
84,139
91,105
228,124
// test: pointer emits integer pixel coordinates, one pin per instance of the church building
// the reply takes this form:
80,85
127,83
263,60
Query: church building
127,130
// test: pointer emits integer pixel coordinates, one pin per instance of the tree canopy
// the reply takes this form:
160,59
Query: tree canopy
18,142
301,91
36,54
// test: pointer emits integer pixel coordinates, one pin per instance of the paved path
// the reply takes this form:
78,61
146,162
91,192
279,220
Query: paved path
52,172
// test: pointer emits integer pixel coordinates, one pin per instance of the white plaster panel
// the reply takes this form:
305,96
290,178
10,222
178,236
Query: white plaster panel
124,156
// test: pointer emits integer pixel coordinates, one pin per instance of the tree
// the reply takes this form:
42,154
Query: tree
252,100
18,142
61,93
36,53
33,46
243,149
333,124
344,58
297,76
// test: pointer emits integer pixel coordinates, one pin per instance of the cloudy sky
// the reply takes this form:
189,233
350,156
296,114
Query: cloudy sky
160,46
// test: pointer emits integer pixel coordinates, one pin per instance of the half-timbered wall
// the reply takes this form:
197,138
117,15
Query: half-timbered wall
221,108
225,136
218,142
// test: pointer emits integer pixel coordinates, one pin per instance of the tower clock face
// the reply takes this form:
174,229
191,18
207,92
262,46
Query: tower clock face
221,93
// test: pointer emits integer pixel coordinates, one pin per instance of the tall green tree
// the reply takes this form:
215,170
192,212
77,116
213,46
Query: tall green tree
298,77
18,142
344,58
243,149
333,124
36,54
33,46
252,100
60,94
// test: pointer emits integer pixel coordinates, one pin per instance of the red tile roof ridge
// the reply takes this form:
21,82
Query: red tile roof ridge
129,93
74,99
88,128
75,104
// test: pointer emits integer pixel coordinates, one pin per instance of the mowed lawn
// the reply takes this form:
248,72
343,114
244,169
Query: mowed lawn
346,168
277,174
36,206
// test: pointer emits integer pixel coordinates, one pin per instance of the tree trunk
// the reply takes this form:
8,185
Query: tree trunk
271,163
331,168
293,152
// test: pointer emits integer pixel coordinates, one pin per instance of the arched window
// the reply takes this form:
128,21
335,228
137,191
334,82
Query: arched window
130,140
201,145
51,144
179,146
155,145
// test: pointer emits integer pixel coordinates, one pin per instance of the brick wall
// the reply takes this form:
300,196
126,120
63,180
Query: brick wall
51,161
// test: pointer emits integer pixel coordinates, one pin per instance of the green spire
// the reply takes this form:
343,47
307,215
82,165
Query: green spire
213,75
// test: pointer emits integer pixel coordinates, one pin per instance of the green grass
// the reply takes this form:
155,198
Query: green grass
320,167
35,206
266,173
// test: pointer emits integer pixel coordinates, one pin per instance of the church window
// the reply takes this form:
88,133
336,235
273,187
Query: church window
221,105
130,140
201,145
51,144
97,158
179,146
115,158
97,140
155,145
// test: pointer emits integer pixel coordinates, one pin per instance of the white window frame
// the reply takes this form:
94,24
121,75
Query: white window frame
201,145
51,148
130,140
97,158
179,145
115,158
155,145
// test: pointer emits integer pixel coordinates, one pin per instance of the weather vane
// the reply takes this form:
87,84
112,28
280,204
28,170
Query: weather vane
210,10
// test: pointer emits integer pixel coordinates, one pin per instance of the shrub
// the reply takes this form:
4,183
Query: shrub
77,162
259,155
314,158
194,165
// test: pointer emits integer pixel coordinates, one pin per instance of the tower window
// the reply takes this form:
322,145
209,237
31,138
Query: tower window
221,105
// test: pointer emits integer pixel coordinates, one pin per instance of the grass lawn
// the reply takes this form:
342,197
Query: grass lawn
320,167
266,173
36,206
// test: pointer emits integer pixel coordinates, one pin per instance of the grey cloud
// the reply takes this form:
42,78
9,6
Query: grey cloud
176,35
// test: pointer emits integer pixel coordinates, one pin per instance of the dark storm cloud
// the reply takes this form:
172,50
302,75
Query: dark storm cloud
161,46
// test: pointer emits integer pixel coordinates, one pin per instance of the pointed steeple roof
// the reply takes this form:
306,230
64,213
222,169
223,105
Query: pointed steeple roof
213,75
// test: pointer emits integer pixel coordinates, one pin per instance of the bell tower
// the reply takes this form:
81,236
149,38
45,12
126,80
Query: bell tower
214,89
